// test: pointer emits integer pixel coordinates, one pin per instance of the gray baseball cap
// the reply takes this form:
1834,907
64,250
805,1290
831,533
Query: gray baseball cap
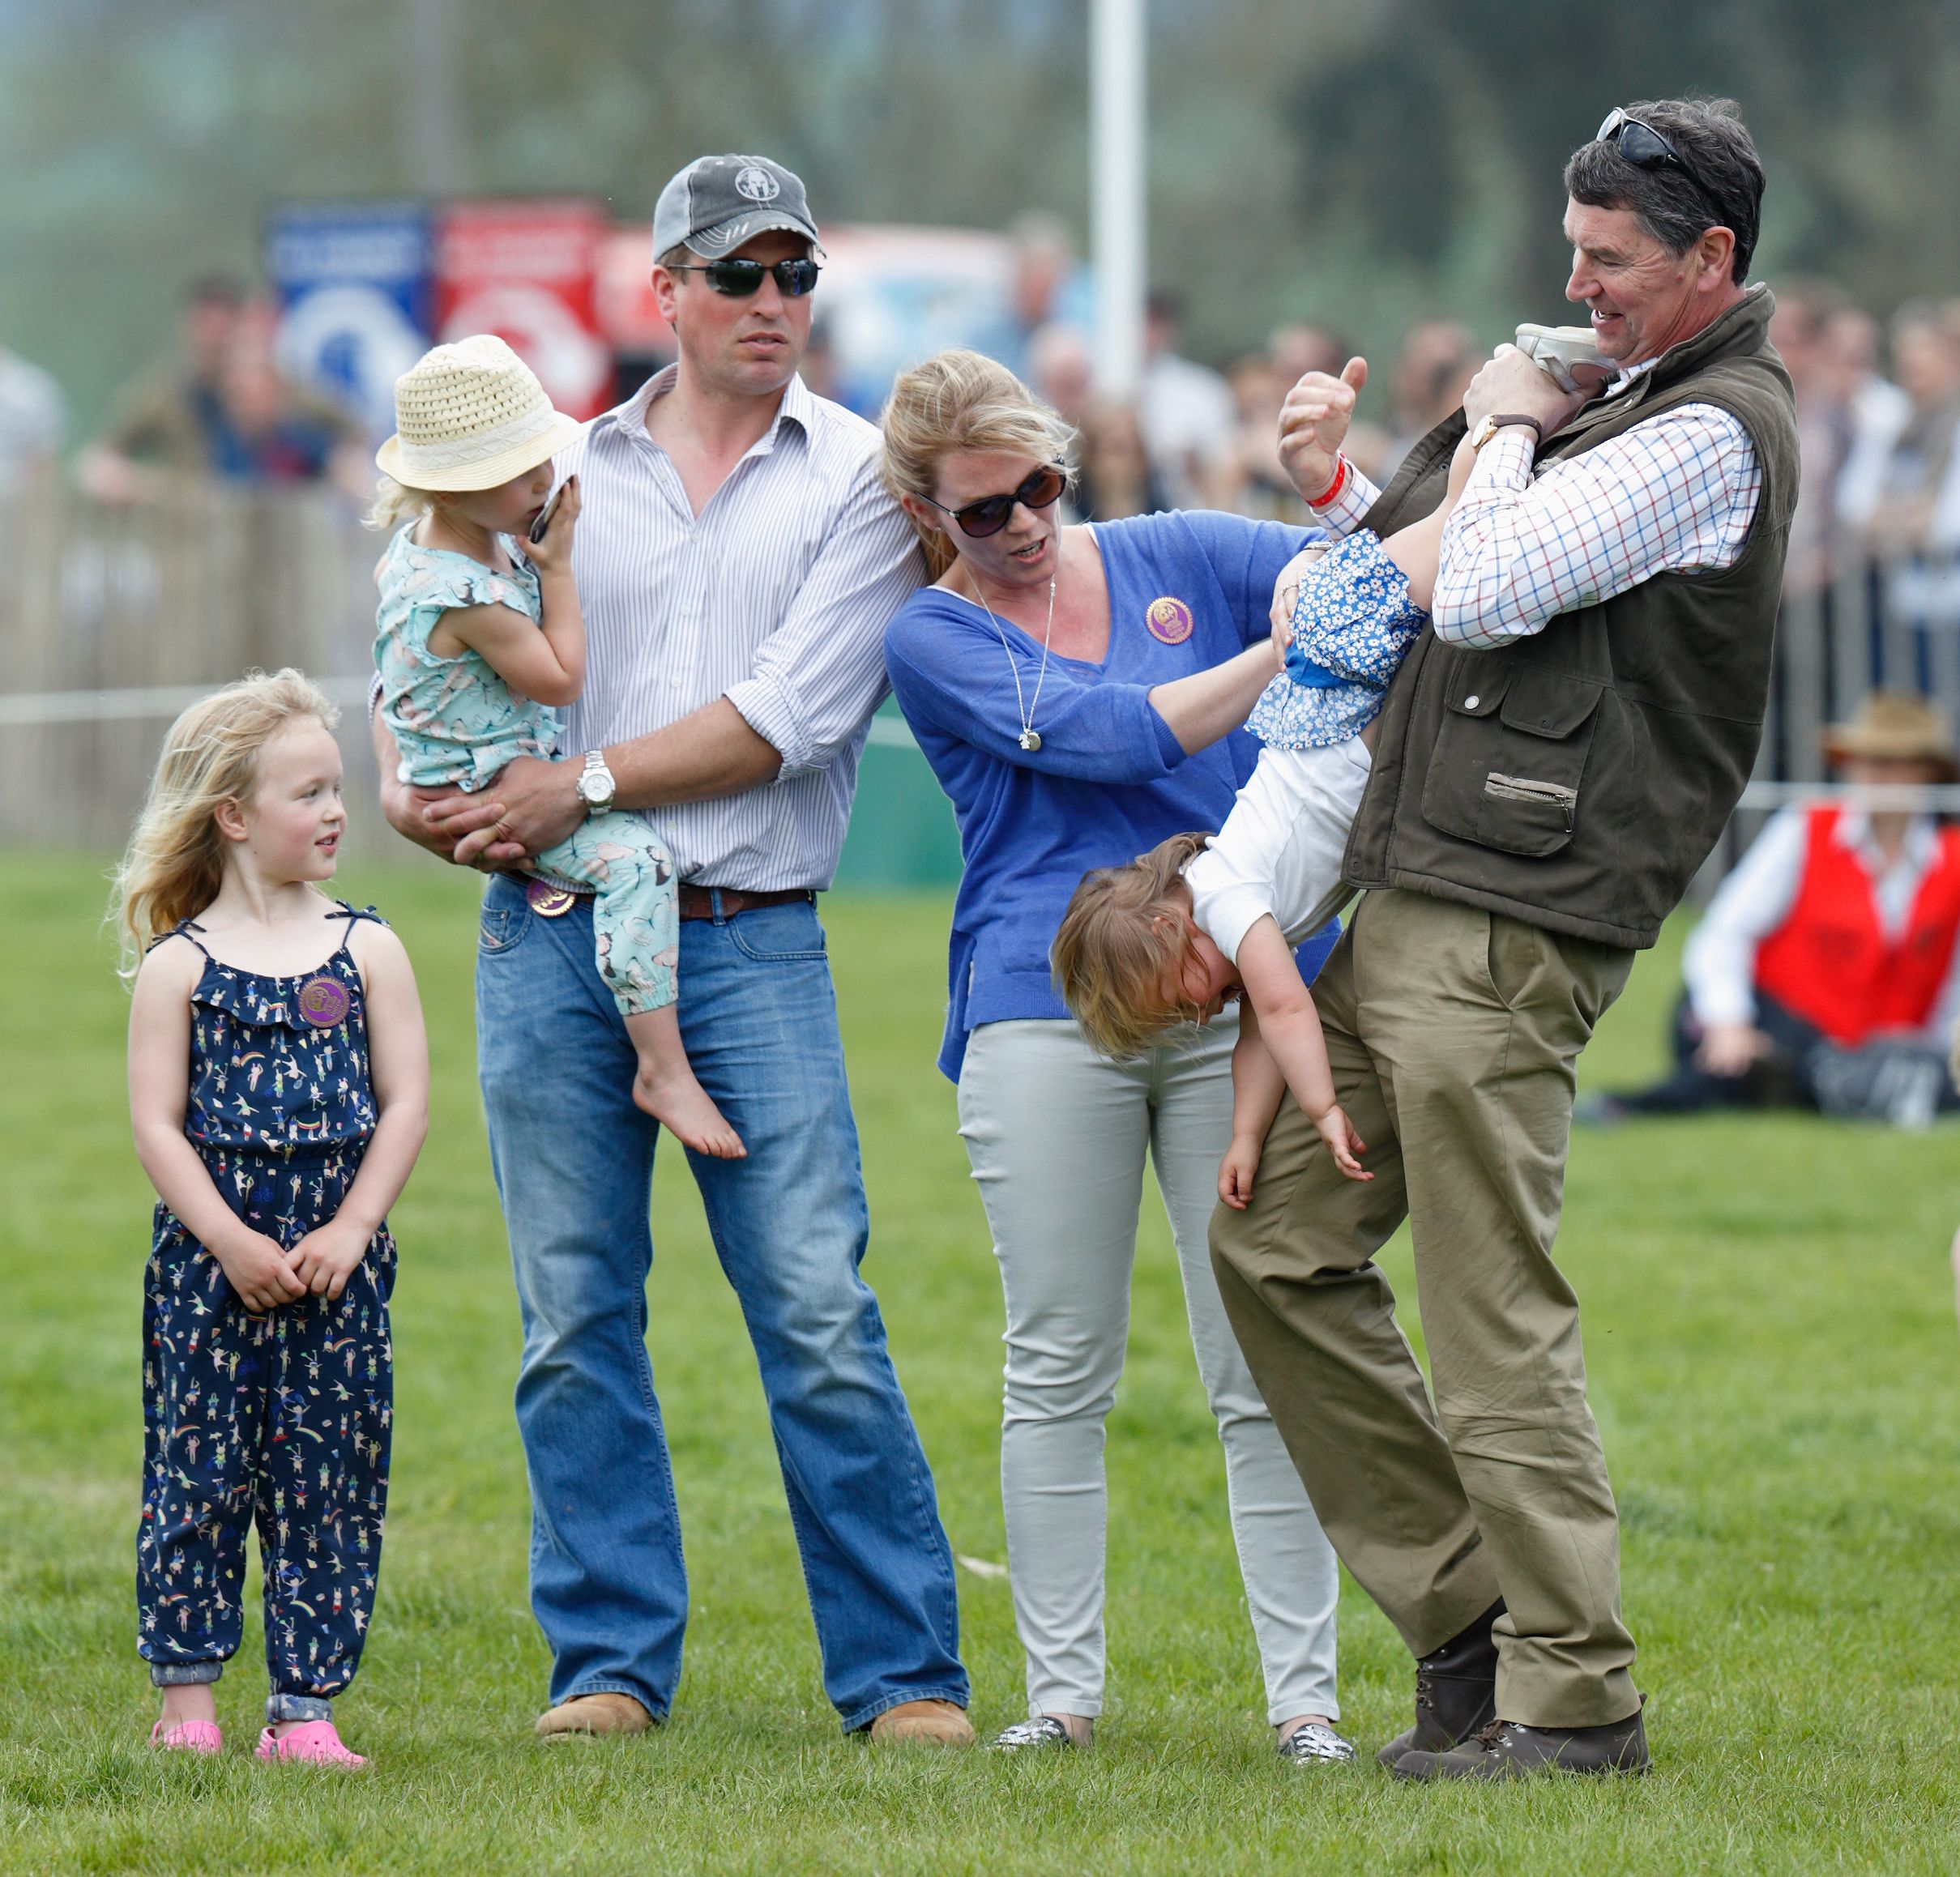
718,203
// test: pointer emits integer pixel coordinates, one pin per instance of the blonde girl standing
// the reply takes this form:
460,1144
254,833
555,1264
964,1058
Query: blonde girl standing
279,1089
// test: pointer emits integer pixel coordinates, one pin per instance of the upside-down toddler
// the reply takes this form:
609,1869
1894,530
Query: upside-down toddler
1184,928
474,647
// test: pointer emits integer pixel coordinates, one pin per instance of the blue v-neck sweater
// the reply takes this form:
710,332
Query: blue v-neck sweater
1109,780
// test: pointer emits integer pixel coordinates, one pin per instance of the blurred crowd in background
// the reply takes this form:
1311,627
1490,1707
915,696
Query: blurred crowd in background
1878,404
218,405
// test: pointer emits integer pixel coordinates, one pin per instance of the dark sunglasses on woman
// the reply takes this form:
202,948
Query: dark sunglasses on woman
988,516
739,278
1644,146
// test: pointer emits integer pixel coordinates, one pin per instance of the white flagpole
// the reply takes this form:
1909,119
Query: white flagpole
1117,182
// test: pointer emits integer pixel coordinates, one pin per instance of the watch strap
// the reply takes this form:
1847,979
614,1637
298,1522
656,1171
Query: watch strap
1503,419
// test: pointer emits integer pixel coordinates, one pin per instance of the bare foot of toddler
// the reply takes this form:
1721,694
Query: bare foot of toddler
665,1086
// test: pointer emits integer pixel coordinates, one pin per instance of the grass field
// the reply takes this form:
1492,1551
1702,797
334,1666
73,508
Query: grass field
1774,1362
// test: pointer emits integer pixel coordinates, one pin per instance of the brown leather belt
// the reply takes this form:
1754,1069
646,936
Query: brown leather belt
698,901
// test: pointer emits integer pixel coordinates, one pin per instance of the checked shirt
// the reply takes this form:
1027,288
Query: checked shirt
1529,542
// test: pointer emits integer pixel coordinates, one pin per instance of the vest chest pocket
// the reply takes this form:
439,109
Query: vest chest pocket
1510,753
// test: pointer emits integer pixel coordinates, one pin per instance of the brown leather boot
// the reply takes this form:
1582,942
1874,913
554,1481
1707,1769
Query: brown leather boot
585,1716
1456,1692
935,1723
1510,1749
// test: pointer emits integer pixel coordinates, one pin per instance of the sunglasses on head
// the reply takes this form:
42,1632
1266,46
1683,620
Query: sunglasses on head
1644,146
1042,489
738,278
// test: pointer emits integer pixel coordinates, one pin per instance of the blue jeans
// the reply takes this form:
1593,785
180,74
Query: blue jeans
573,1160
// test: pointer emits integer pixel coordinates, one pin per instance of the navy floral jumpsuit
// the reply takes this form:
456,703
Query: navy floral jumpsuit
282,1419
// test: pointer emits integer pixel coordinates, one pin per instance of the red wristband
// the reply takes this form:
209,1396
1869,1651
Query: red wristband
1334,487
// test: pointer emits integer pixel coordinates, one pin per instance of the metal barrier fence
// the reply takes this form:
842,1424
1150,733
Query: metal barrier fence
112,619
1895,625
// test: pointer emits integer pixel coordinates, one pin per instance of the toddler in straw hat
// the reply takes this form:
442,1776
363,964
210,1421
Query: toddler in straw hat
476,645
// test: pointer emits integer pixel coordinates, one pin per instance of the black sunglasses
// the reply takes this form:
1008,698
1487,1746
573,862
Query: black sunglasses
739,278
988,516
1644,146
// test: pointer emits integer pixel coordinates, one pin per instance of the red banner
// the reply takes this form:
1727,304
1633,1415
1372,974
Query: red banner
525,270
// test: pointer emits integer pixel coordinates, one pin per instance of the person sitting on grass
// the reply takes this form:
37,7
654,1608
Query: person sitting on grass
1200,919
279,1085
474,648
1825,973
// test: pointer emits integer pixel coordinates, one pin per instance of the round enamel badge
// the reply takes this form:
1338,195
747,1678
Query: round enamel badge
548,901
1168,619
324,1001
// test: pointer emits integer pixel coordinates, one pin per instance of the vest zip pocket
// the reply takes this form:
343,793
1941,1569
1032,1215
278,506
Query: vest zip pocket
1524,788
1510,753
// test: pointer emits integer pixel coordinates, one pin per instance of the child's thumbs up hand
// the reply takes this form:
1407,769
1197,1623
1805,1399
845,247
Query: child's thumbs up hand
1314,423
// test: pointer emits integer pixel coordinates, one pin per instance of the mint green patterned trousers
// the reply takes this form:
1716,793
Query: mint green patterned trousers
636,908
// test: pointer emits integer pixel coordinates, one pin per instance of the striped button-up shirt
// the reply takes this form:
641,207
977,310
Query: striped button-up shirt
776,596
1528,542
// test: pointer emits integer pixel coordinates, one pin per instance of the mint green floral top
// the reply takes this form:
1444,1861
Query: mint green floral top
456,721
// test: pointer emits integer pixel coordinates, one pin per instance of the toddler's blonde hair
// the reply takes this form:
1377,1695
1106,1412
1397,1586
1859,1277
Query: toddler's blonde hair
175,863
395,502
957,401
1125,928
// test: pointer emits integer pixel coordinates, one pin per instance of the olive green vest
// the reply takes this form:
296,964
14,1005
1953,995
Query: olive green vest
1578,778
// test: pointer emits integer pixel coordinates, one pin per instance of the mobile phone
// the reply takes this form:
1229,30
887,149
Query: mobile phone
545,514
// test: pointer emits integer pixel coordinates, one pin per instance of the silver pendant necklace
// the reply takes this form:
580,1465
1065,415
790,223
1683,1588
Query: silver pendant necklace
1030,738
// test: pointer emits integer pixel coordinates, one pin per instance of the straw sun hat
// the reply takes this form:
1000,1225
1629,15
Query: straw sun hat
469,417
1894,726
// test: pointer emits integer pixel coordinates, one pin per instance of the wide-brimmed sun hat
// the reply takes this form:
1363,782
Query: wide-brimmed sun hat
470,416
1895,726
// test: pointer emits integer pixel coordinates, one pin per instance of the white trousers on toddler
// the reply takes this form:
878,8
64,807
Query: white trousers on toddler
1056,1136
1281,847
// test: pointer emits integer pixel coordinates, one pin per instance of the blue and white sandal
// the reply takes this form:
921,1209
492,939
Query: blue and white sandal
1043,1731
1314,1745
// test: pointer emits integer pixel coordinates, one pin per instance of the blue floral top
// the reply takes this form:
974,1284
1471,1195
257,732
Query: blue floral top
1353,624
280,1065
456,721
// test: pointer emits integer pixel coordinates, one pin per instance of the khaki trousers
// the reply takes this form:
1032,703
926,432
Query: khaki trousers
1453,1034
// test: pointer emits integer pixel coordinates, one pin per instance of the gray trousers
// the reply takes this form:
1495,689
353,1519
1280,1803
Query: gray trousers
1057,1138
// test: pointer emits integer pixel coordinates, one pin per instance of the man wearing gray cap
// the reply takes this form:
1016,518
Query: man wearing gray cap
738,561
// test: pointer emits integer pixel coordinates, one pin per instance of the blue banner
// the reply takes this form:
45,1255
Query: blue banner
353,281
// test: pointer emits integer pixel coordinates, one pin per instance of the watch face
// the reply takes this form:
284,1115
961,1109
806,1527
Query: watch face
595,788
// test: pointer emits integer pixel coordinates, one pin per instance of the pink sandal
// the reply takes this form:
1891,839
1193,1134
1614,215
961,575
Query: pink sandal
314,1742
188,1737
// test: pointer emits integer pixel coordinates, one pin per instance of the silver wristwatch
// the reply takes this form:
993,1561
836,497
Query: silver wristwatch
595,784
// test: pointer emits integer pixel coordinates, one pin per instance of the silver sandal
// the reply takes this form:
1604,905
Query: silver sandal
1043,1731
1314,1745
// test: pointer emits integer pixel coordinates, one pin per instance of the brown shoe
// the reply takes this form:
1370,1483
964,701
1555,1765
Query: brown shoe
936,1723
1456,1692
585,1716
1509,1749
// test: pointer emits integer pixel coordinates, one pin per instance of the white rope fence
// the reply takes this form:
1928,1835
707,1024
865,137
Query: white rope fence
19,708
151,701
1875,798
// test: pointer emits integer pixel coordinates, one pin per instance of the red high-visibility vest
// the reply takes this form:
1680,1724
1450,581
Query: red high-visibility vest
1830,962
